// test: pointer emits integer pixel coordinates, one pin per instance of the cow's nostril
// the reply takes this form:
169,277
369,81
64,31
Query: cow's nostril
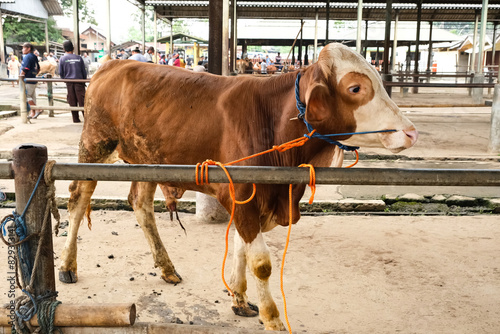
412,134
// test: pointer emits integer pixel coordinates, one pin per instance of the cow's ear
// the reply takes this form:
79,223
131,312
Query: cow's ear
317,104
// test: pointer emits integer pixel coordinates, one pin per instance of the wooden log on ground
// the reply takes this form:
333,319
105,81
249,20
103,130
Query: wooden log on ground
81,315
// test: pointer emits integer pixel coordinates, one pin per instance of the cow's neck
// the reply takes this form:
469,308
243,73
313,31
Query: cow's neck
275,117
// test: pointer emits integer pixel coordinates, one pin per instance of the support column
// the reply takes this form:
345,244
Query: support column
474,42
388,18
46,36
429,56
225,37
76,27
315,54
494,143
155,19
477,93
28,161
494,46
493,56
299,57
484,22
395,42
108,27
234,37
366,39
358,32
143,27
215,36
417,43
2,49
327,21
172,37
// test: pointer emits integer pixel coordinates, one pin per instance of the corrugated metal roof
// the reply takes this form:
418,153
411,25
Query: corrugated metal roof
373,11
53,7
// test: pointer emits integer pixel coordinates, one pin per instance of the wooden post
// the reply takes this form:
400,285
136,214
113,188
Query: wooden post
81,315
29,159
22,96
50,95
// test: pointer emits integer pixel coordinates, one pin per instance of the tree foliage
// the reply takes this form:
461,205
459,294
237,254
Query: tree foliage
86,13
29,31
163,28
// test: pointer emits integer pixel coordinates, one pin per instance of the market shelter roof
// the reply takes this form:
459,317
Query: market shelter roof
40,9
459,11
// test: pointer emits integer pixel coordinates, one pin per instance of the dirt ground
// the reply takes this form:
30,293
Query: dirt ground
343,274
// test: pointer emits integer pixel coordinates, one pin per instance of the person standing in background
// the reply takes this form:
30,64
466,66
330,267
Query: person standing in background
13,67
72,66
86,61
30,69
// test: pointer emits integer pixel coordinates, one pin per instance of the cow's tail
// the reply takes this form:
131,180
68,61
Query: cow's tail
87,215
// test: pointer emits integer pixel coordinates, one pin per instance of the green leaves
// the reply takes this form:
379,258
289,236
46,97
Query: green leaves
29,31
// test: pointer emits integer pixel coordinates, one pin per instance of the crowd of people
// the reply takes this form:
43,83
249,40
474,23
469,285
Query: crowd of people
174,59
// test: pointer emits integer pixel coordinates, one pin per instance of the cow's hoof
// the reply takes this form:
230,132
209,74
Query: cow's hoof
68,276
249,310
174,278
275,325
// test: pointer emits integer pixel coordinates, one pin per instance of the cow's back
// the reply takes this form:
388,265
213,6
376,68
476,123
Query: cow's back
163,114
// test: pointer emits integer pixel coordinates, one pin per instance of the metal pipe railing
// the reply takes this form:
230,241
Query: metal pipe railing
273,175
438,84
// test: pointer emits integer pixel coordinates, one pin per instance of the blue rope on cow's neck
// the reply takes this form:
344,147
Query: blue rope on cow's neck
302,115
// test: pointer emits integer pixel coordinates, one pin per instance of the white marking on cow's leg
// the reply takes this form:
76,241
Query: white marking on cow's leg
81,191
141,198
259,263
238,280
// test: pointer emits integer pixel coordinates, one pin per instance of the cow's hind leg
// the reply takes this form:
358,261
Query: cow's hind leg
141,198
79,200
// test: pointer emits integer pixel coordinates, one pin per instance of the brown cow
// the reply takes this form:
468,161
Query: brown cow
47,67
244,66
203,116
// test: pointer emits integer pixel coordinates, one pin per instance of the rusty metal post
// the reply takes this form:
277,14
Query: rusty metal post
50,95
27,165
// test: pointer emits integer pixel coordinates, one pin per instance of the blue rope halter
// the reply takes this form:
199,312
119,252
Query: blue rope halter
302,115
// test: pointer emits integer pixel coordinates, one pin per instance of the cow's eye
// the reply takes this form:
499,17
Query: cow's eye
354,89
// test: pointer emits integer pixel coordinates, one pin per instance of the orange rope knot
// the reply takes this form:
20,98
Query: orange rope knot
312,181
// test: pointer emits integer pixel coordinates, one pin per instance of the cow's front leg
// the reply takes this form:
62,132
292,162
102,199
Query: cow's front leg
259,263
238,281
141,198
79,200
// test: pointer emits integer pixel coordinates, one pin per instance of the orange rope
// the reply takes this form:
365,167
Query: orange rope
201,171
201,176
355,162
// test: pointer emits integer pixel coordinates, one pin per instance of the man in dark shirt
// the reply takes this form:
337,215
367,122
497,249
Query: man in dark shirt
30,69
72,66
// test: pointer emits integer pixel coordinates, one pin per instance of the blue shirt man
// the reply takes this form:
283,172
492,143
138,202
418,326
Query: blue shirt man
30,69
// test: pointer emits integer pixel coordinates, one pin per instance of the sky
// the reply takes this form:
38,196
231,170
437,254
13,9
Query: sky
121,18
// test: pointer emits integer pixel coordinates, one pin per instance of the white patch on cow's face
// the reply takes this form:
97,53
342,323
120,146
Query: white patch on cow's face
379,113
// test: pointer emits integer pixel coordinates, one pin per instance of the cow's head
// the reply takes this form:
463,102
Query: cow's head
345,94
